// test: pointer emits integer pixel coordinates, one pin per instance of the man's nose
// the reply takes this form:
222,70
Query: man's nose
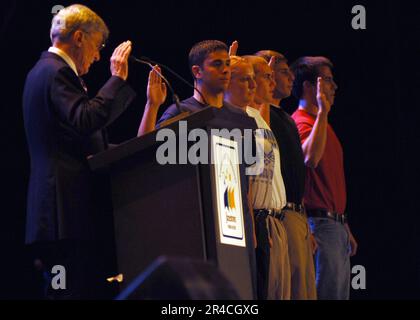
226,68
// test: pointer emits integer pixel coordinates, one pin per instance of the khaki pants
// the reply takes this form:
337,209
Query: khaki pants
302,268
279,265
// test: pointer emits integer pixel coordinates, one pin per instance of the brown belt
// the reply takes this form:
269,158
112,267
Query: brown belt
295,207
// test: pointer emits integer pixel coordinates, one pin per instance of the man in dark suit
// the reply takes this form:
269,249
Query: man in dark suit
68,221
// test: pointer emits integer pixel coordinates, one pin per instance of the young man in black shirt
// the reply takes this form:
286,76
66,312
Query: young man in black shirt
209,63
300,240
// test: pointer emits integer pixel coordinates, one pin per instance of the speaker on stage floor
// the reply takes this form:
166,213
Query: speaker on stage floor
175,278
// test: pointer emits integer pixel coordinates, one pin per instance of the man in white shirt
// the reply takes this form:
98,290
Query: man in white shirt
250,87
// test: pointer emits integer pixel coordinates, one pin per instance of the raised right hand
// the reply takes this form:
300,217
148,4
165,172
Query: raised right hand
156,89
119,60
272,62
233,49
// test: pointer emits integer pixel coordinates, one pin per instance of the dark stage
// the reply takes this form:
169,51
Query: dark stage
375,113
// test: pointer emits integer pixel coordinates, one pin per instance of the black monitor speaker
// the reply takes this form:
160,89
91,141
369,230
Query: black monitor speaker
175,278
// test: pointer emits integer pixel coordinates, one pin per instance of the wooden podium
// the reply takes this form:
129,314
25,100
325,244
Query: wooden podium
174,209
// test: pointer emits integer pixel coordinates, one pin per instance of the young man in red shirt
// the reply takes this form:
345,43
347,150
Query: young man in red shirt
325,190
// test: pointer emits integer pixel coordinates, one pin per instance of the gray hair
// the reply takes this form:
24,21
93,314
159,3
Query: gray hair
76,17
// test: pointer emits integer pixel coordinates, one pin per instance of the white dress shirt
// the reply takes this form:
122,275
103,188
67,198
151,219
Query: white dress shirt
65,57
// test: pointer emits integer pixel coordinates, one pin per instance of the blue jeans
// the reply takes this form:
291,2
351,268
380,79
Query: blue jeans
332,259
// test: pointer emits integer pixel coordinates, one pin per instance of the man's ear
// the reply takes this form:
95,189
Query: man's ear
196,71
78,38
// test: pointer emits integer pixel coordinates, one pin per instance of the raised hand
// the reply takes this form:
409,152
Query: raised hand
119,60
323,104
233,49
272,62
156,89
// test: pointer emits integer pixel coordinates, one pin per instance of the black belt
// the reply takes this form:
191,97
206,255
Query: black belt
294,207
271,212
318,213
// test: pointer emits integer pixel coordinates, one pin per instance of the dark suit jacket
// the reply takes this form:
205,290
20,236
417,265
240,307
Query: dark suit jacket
63,126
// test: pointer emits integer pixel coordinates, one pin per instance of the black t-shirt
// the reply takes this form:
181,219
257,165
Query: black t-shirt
227,113
228,116
291,154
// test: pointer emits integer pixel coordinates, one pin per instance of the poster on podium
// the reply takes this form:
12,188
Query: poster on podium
228,193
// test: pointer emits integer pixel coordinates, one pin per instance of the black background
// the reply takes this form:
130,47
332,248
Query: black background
375,112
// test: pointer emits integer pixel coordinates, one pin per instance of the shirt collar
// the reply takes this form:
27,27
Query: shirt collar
65,57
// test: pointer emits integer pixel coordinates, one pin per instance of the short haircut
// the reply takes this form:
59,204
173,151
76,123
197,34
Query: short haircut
236,61
200,51
267,54
307,69
76,17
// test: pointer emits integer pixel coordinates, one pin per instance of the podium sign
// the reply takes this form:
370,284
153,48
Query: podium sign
228,191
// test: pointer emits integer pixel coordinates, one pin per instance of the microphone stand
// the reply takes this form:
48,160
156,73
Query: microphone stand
175,97
150,61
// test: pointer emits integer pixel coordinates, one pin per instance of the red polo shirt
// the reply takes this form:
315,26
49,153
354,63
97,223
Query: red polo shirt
325,185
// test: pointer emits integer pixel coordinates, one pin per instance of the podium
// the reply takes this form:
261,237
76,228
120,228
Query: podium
178,209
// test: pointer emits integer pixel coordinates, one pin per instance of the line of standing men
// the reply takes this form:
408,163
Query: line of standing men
298,201
64,125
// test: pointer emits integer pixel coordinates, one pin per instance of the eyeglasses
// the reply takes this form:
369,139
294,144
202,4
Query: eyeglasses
328,79
99,46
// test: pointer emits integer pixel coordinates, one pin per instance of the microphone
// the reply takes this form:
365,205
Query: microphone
175,97
148,61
